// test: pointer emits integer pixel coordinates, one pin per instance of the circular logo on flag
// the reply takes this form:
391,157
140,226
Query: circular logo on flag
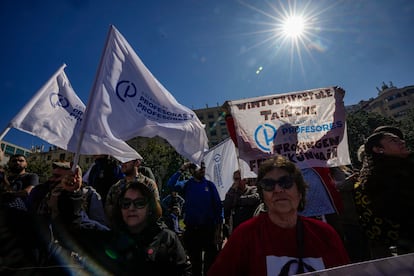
125,89
264,136
57,100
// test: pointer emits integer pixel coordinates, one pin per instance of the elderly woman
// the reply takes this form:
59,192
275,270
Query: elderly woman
387,181
142,243
280,242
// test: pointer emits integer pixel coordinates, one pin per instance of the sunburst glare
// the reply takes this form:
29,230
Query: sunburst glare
294,26
291,28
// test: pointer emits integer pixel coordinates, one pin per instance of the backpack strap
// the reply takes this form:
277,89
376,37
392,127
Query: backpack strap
300,240
300,244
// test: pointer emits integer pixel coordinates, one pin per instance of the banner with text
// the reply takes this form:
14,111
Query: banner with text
308,127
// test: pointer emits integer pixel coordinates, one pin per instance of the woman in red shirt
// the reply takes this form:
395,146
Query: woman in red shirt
279,241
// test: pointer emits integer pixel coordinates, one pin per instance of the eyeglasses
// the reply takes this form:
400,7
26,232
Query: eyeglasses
138,203
268,184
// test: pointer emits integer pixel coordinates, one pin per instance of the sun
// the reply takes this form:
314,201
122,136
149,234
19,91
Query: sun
289,31
288,34
293,26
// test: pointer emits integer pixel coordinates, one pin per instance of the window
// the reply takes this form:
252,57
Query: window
62,156
393,97
375,105
9,150
399,114
409,91
397,105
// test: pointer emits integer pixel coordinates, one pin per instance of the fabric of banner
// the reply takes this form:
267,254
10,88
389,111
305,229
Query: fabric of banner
128,101
221,162
308,127
54,114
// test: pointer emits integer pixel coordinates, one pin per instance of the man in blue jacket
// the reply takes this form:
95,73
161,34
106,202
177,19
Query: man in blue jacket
203,216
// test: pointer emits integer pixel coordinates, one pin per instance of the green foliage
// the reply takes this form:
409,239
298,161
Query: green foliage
41,168
407,127
161,157
361,124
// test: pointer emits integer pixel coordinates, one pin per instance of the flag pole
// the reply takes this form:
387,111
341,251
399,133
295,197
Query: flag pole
85,120
5,131
29,105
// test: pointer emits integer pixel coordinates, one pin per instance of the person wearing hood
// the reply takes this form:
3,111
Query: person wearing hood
141,243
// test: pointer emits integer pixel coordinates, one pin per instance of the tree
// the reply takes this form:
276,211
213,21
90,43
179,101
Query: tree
160,156
360,125
41,168
407,127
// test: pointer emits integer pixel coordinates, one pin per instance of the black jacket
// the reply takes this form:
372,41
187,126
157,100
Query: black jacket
390,188
155,251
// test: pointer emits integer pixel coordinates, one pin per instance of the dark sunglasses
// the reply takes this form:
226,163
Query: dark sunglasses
138,203
268,184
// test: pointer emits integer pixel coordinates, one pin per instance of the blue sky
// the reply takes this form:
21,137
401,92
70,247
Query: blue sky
207,51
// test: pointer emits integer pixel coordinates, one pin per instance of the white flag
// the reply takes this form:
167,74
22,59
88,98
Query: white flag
221,163
128,101
54,115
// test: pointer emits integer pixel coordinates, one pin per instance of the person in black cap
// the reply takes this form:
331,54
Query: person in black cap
387,180
391,129
104,172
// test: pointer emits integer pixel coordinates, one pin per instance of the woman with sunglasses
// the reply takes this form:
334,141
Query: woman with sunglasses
143,244
279,241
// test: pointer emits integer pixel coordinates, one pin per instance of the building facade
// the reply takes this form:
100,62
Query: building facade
213,118
10,149
57,154
391,102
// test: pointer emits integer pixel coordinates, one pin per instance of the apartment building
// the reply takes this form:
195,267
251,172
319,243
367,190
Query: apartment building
213,118
10,149
391,102
57,154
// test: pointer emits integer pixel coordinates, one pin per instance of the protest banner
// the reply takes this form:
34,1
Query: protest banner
308,127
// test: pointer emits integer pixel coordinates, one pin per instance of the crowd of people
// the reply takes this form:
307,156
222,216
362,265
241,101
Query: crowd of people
113,220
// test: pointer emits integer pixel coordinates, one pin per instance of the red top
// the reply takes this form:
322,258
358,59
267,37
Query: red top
259,247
